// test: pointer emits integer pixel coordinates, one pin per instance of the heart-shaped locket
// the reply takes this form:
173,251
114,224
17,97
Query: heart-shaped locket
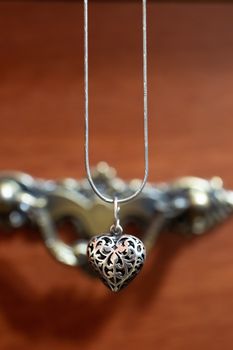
116,259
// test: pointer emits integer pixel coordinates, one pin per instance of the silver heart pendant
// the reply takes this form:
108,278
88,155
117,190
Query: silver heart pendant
116,259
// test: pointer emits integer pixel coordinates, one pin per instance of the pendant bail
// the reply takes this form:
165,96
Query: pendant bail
116,228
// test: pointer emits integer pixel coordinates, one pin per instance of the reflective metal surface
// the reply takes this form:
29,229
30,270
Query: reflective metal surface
117,259
191,206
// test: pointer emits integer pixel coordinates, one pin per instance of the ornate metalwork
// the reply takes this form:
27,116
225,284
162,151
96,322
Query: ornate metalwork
189,205
116,259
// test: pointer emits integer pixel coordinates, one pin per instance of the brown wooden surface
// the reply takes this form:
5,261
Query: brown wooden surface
184,297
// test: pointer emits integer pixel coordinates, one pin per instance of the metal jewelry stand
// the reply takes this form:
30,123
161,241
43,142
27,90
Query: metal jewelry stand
189,205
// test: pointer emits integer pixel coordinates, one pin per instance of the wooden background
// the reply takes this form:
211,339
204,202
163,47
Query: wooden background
184,297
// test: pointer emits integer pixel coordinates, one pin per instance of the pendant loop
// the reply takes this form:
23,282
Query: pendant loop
116,228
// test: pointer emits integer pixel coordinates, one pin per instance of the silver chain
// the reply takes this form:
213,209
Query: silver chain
145,100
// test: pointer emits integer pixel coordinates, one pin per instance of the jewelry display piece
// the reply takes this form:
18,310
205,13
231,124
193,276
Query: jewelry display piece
116,257
101,246
190,206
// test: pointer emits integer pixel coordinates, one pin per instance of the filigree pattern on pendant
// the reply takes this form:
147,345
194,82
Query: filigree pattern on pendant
116,259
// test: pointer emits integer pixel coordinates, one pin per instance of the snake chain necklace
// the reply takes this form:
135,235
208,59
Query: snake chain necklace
115,256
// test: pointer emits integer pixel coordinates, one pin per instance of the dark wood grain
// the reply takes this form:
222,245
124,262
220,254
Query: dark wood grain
184,297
